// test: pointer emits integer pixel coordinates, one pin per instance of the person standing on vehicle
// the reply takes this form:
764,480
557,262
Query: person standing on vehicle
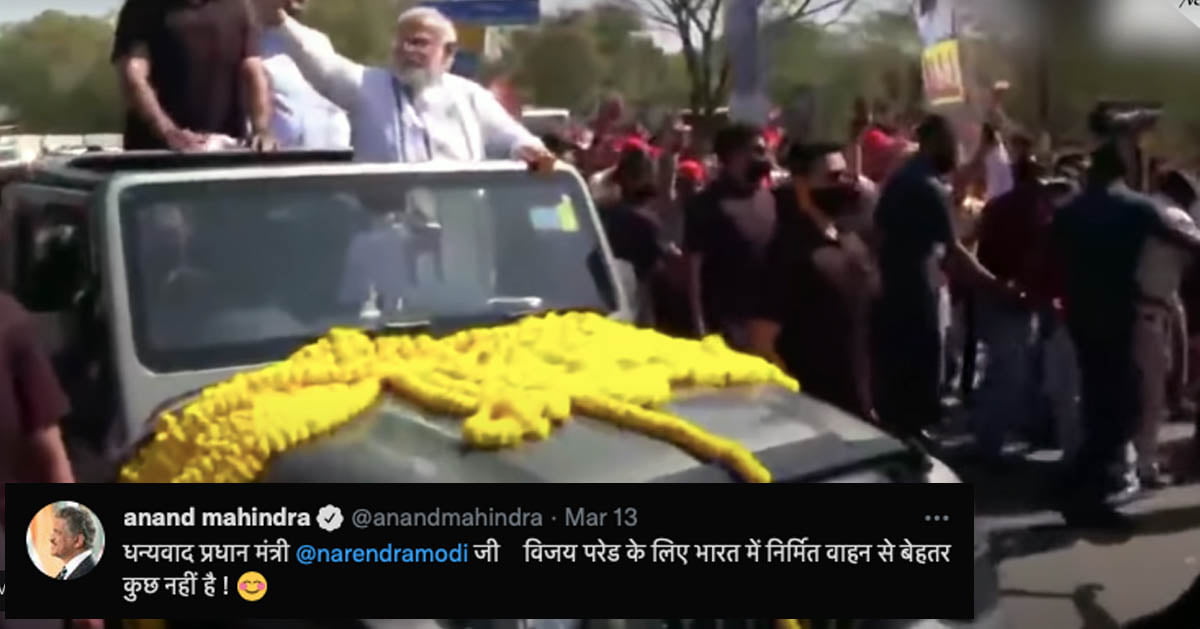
727,231
301,117
191,72
415,111
914,224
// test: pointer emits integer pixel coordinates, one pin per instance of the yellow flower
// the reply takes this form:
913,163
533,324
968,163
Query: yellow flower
511,384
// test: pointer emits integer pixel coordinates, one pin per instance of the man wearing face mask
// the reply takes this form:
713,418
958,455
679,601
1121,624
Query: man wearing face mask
915,228
727,230
632,228
1102,235
415,111
813,317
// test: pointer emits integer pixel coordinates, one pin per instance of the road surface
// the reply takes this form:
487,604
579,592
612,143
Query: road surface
1050,577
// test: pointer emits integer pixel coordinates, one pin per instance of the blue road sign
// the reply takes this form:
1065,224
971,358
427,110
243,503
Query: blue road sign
490,12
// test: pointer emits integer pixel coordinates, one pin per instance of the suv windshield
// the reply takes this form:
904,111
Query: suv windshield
239,272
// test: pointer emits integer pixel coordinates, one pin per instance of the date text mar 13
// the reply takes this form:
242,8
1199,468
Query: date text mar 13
621,516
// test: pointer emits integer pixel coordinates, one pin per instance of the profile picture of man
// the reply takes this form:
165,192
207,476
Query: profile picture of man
65,541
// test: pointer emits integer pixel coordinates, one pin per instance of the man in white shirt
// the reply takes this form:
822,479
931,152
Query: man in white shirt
1159,275
415,111
301,117
72,540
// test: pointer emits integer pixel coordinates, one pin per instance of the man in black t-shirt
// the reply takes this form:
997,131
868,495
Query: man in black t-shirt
815,297
1100,236
191,69
633,232
727,229
915,227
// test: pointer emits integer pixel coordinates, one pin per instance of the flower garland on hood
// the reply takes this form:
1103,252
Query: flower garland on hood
512,383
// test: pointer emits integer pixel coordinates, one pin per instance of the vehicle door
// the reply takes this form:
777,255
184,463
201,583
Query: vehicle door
48,265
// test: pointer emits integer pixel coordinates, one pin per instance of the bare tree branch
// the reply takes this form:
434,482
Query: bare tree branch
846,8
657,11
698,24
798,10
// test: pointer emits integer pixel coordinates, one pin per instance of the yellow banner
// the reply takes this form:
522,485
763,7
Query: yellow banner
471,37
941,66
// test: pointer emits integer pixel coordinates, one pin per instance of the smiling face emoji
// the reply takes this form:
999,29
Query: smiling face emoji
251,586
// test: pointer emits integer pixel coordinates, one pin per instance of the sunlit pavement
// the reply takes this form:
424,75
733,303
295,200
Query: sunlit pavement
1052,577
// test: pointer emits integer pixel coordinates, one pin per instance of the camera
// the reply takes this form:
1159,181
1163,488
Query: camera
1115,118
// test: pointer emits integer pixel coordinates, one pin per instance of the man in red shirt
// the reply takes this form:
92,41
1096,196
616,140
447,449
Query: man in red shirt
1008,225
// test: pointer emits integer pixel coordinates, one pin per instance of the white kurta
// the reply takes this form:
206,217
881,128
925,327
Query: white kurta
455,119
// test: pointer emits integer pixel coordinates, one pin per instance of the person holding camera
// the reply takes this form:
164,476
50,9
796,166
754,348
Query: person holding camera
1101,236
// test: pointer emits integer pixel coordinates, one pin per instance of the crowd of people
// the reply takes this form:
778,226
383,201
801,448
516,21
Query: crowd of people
880,269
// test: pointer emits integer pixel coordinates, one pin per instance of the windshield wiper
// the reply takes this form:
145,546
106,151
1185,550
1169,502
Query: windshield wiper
514,315
397,325
531,302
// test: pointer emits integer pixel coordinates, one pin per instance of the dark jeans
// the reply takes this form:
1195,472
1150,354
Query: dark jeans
906,358
1110,403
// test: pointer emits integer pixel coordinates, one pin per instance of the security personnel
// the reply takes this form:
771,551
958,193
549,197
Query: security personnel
1101,235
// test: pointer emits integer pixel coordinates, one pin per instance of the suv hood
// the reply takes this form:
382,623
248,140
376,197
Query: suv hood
797,437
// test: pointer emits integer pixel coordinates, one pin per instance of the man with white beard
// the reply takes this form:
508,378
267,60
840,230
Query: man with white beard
415,111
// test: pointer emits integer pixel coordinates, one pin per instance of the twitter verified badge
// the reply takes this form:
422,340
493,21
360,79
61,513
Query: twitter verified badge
329,518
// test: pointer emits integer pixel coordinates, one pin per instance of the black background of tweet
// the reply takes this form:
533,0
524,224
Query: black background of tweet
684,513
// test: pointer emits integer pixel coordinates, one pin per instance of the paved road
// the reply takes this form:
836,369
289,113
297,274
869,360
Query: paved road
1052,578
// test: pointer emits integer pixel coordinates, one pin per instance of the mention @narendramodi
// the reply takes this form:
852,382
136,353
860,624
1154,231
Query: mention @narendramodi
307,555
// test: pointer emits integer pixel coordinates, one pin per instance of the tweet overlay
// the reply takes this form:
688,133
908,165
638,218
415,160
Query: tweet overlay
298,551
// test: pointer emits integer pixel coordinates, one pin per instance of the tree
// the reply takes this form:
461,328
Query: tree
698,24
361,30
559,66
572,59
869,59
55,73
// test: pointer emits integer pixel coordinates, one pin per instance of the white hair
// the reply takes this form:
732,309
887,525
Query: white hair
429,17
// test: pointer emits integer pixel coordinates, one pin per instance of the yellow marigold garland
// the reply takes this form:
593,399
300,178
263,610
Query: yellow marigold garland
512,383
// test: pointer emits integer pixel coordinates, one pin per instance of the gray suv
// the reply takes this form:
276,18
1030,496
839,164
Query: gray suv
154,275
